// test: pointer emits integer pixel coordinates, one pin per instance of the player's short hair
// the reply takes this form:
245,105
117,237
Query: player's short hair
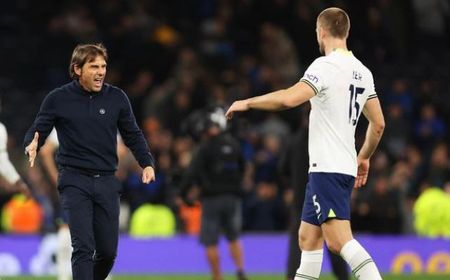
84,53
335,21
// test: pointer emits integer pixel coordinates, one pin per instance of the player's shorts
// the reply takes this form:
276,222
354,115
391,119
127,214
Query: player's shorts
327,197
220,213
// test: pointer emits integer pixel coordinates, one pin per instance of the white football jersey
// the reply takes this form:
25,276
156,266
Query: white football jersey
7,170
53,138
342,85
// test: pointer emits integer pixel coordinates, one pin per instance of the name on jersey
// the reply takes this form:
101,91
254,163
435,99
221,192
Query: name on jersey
357,76
312,78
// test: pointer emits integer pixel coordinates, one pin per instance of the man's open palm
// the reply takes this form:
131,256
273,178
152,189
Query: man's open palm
31,149
148,175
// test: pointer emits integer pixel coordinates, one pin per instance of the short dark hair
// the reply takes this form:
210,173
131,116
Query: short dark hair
335,21
84,53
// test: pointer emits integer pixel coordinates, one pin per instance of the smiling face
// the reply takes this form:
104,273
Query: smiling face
92,74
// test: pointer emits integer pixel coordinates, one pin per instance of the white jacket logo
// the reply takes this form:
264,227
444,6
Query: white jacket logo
102,111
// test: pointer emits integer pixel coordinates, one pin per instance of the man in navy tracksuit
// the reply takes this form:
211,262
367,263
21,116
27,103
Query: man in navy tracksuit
87,115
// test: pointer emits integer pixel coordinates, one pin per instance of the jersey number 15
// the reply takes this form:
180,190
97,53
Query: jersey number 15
354,107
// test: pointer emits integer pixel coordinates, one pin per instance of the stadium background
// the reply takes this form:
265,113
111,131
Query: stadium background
174,57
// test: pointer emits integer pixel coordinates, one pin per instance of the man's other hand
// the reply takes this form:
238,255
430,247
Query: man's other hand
148,175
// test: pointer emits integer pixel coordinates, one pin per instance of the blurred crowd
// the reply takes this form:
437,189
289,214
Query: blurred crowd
174,57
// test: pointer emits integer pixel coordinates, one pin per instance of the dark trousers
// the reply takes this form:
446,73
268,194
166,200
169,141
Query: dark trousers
90,202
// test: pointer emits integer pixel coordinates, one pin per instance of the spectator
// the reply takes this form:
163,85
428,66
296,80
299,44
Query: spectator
395,134
429,128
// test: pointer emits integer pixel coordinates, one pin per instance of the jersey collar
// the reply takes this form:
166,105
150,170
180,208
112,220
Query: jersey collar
342,51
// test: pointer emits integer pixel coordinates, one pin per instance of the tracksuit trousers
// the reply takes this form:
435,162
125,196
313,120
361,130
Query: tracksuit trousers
90,202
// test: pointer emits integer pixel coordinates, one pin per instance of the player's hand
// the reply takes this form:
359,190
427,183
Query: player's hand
148,175
237,106
31,149
363,172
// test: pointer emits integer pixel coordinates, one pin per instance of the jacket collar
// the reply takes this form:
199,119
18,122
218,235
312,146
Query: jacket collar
80,90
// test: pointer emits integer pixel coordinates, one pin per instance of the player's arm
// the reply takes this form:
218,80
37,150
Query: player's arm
275,101
7,169
372,111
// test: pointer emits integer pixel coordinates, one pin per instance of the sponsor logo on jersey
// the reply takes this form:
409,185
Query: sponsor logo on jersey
312,78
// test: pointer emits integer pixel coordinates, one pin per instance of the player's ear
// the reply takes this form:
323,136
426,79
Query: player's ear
77,70
322,32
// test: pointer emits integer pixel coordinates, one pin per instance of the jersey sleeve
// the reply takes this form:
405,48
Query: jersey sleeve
371,87
3,137
315,76
7,170
53,138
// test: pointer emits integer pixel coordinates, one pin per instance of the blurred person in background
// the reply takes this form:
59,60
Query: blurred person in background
217,168
432,23
386,219
339,88
439,167
7,169
263,209
396,134
400,95
87,114
429,128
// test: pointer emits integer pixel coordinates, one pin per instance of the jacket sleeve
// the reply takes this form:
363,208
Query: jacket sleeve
132,135
44,122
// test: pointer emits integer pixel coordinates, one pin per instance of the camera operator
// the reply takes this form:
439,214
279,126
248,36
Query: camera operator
217,170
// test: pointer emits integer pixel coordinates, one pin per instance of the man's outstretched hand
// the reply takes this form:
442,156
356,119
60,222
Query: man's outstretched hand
237,106
31,149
